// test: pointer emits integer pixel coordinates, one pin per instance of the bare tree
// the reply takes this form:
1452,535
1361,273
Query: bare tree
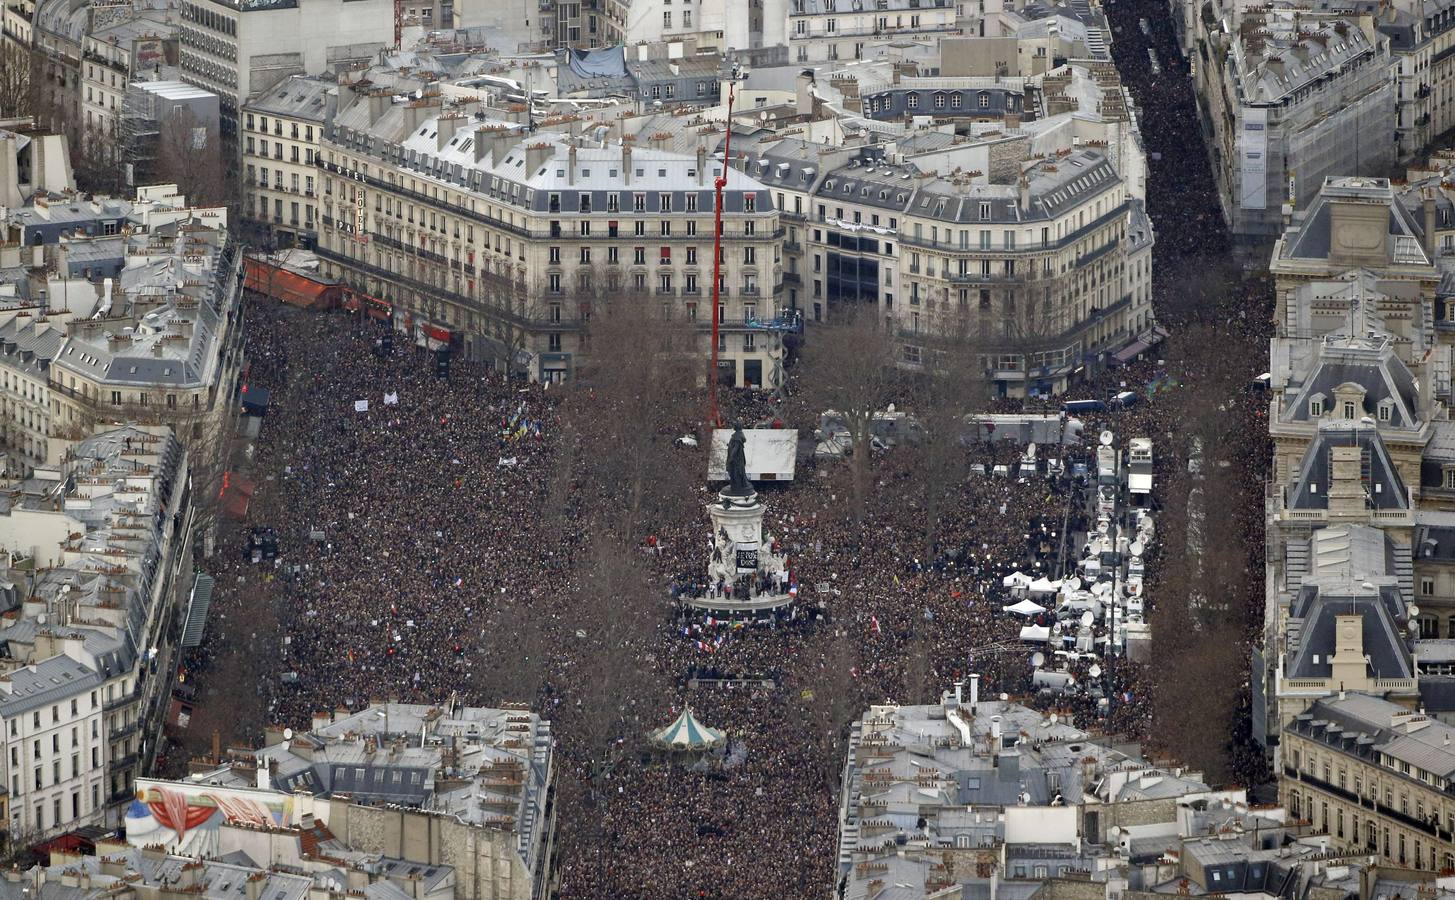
19,81
189,155
517,661
629,402
850,368
829,698
616,613
98,158
951,388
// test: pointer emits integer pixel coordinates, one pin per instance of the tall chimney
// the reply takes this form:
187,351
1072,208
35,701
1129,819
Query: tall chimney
379,103
701,163
626,162
974,689
571,163
1429,197
446,130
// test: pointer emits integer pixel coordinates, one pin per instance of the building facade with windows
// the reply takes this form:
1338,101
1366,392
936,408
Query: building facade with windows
1374,777
282,131
1040,277
239,48
106,534
827,30
500,242
158,343
112,58
1287,109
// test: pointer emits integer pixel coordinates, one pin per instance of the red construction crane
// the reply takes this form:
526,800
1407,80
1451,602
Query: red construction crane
714,418
398,24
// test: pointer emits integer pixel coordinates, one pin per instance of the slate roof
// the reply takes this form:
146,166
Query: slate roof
1353,574
93,574
1385,728
379,755
789,163
1054,185
1384,489
1308,237
168,315
1240,870
599,170
1304,60
49,681
1370,364
299,97
1435,542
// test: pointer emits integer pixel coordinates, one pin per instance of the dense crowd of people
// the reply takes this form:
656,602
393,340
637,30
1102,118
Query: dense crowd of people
417,535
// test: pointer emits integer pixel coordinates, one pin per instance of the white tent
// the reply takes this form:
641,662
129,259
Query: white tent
686,733
1038,633
1025,608
1016,580
1044,585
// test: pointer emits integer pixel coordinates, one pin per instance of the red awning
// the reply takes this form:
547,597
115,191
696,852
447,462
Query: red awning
376,308
293,288
437,333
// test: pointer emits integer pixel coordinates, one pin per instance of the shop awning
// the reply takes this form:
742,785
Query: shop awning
291,287
1144,342
378,309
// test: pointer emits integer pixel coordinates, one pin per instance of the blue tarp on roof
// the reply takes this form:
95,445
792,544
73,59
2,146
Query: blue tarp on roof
603,62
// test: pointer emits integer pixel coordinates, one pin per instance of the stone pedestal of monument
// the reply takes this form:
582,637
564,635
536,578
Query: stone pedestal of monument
744,575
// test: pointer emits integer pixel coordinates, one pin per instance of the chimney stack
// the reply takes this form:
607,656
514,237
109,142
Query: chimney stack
537,155
447,126
1429,204
626,161
571,163
701,163
379,103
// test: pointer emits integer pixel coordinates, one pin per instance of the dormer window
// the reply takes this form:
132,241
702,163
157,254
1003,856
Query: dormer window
1386,410
1349,409
1316,406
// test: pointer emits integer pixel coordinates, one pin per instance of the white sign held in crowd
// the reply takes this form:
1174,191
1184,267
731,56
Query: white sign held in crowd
361,406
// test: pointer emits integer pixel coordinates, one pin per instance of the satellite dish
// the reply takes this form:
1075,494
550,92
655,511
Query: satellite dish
1414,610
1106,438
1038,659
1054,718
1070,680
1087,618
1137,548
1094,671
287,734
